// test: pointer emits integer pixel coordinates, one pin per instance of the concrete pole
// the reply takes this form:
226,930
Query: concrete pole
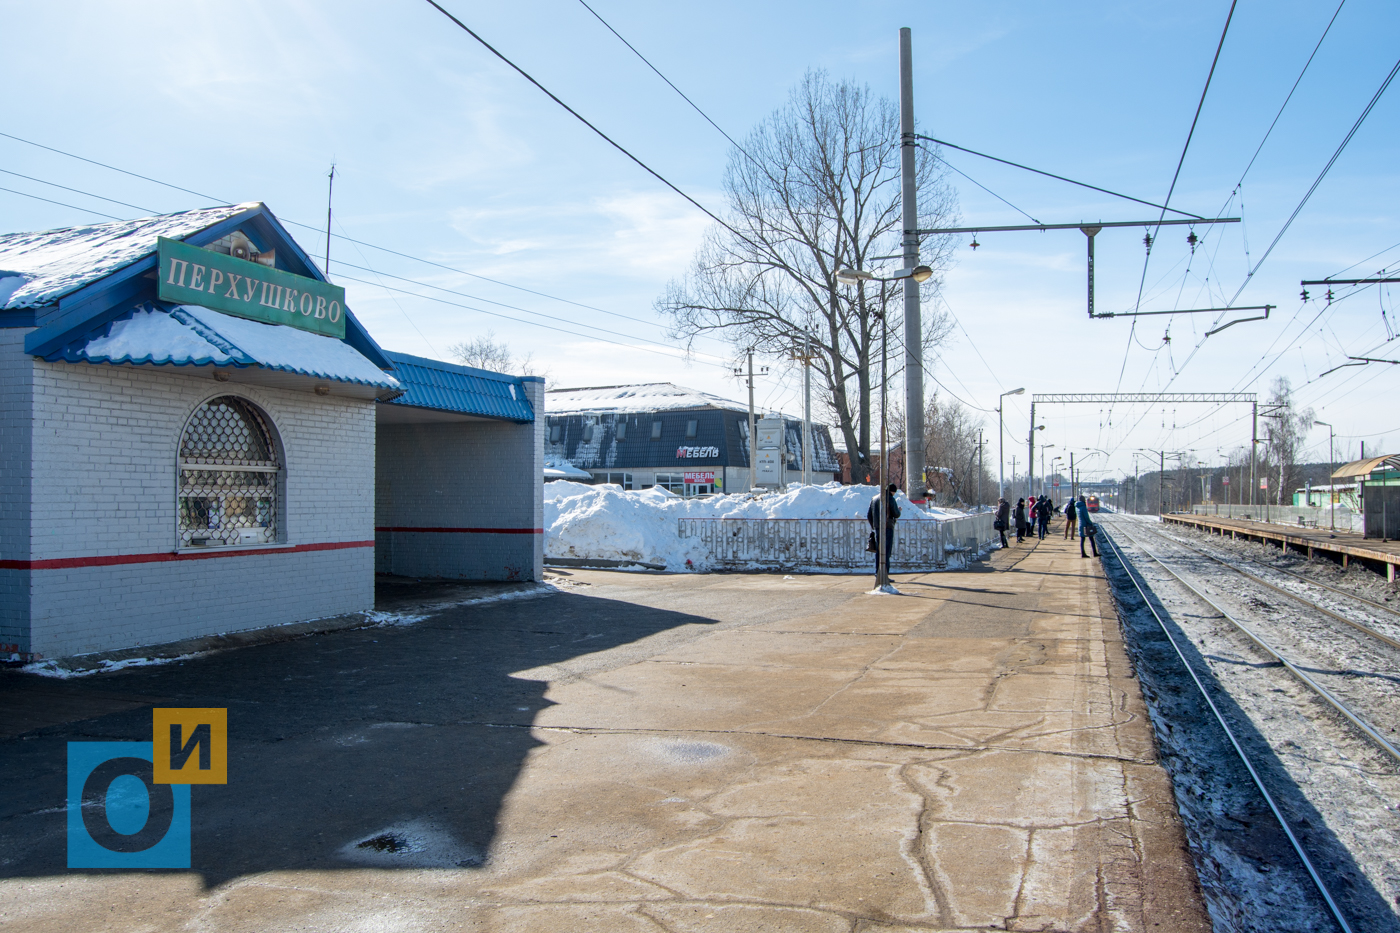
1253,452
913,324
807,410
753,428
1161,481
979,467
1030,460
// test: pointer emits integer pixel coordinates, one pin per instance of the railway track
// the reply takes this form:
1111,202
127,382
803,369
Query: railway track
1375,607
1370,731
1293,635
1249,765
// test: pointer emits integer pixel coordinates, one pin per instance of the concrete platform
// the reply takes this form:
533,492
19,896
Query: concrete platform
1342,546
646,752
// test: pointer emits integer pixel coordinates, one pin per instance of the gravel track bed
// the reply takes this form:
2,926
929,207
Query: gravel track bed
1338,790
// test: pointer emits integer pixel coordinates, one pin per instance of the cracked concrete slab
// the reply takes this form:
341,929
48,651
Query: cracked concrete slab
665,753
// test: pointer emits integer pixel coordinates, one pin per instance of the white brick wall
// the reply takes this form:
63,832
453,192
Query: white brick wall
105,441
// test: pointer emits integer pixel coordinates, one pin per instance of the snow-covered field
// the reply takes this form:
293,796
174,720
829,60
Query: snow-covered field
608,523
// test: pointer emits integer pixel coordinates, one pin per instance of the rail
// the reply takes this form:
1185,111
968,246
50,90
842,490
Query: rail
837,543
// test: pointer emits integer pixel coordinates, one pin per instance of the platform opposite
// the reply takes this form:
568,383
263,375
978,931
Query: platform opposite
764,753
1343,546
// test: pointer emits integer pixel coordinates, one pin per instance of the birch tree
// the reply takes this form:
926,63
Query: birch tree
816,187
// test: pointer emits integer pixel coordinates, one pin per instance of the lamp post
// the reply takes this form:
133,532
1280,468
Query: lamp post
1331,480
857,277
1043,448
1001,444
1054,460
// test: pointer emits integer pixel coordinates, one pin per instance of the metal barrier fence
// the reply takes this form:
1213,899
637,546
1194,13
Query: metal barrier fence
837,543
1347,519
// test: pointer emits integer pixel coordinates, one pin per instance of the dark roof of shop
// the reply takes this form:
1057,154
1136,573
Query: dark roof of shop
440,386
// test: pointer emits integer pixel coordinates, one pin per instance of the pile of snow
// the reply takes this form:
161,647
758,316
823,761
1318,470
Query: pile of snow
605,522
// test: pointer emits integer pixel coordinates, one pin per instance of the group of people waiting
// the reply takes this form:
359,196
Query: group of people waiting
1033,518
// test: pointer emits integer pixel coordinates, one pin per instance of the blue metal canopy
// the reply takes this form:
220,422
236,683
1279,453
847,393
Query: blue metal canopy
439,386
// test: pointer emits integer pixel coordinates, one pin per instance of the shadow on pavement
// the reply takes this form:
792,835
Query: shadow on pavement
379,747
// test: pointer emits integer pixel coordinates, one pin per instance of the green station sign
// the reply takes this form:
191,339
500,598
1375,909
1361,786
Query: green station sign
190,275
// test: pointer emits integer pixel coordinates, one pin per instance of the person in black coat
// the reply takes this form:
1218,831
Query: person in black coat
1042,516
872,515
1003,519
1020,520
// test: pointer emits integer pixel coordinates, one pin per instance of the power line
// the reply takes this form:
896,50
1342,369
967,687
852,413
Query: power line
372,271
550,317
978,184
668,81
1290,93
294,223
74,190
87,210
1321,175
1037,171
578,116
457,304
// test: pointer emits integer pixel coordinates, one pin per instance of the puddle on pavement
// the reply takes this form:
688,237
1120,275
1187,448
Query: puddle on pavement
412,844
690,752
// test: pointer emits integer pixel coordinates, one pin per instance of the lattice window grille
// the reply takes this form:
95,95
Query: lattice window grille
228,477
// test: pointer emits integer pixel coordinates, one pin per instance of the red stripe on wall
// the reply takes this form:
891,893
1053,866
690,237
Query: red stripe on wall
467,531
64,563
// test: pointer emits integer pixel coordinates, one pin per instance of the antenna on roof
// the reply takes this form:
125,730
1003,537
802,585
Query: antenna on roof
330,192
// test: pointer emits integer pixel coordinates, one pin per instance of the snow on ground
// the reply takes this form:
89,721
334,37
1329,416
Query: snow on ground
606,522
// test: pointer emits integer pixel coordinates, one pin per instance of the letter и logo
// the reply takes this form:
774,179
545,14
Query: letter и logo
191,746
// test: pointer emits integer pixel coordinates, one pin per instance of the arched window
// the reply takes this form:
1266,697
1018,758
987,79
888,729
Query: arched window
229,472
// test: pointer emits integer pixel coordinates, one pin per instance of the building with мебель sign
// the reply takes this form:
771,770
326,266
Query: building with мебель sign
660,434
188,421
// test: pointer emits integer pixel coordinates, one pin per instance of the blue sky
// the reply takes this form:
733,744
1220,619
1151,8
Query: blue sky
445,154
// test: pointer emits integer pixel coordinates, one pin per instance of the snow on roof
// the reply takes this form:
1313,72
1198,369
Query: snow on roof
37,269
649,396
188,335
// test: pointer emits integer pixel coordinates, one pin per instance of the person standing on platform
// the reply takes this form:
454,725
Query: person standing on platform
1087,528
872,515
1021,520
1002,518
1042,515
1070,519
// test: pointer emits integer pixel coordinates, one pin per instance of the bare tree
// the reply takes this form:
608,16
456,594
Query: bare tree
950,449
817,187
485,352
1288,428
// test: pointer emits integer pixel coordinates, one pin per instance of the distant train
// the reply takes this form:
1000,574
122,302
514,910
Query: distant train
1092,502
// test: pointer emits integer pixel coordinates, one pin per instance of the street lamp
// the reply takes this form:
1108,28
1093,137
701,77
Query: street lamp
1331,480
847,276
1043,448
1001,444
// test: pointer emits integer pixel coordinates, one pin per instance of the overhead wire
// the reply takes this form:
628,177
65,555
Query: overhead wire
944,142
668,81
978,184
578,116
86,210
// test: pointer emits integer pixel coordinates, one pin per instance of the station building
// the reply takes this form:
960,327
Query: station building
660,434
188,424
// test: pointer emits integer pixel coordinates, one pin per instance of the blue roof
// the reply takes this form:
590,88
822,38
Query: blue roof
161,334
441,386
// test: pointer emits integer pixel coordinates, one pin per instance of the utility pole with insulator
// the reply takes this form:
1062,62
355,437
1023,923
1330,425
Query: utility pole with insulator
913,324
